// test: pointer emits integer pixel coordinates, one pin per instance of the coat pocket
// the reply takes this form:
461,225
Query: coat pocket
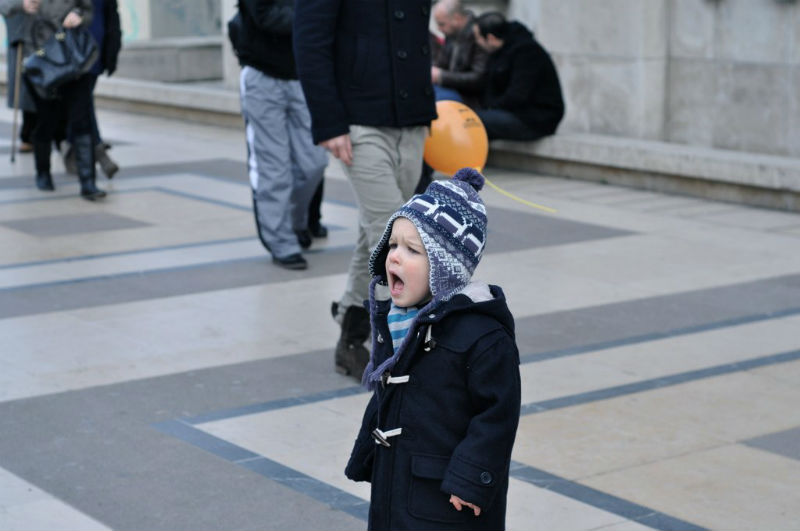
426,500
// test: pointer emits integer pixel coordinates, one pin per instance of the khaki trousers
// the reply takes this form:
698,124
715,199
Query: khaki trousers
387,162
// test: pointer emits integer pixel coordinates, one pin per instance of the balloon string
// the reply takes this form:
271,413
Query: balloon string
519,199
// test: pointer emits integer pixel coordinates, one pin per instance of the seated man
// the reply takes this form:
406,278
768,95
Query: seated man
457,71
521,98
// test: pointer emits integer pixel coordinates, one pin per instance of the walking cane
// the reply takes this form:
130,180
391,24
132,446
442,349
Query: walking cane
17,79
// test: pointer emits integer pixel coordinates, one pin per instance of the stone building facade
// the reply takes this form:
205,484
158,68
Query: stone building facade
715,73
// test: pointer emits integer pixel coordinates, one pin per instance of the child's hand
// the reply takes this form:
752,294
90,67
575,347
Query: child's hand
458,502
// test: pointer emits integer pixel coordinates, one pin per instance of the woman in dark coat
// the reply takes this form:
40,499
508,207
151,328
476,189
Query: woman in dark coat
50,15
436,438
106,30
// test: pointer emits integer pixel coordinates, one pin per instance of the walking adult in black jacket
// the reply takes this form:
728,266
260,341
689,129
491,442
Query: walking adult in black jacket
365,68
107,31
522,97
283,163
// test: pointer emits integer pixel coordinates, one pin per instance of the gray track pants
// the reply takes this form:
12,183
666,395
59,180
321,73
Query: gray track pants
284,165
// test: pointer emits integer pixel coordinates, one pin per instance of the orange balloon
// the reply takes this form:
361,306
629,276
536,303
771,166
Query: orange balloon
457,140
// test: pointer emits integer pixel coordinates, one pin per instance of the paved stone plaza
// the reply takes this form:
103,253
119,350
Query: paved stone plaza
157,372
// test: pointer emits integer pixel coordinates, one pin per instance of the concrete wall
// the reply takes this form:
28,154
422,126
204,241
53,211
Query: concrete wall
718,73
734,75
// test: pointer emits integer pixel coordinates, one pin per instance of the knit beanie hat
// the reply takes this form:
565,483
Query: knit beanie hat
451,220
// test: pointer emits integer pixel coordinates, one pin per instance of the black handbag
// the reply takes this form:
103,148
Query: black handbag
65,56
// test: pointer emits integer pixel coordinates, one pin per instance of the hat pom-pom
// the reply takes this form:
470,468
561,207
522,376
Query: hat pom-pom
470,176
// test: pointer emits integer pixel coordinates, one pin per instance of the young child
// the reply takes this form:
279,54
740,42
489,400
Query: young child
437,434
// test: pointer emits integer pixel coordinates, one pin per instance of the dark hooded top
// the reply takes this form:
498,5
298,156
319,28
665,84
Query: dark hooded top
521,78
264,38
458,411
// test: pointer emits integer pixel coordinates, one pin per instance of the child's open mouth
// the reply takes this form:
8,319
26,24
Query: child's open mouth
396,285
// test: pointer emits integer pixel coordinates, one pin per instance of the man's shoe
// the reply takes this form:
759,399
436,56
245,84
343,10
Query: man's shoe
318,230
293,261
90,191
303,238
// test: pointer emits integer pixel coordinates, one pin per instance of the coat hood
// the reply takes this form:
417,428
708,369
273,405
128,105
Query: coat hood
477,299
517,35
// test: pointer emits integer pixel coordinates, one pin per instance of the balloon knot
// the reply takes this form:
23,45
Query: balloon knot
470,176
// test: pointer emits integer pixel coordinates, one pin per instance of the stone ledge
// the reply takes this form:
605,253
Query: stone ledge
750,178
198,103
176,59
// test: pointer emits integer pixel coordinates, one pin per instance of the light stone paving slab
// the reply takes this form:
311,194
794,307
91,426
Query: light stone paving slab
601,272
184,255
292,436
786,373
611,367
587,440
140,339
25,507
756,219
729,487
190,327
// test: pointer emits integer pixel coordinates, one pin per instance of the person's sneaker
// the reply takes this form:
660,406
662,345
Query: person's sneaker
293,261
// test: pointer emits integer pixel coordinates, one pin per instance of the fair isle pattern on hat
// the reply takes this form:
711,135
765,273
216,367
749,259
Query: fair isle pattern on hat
451,220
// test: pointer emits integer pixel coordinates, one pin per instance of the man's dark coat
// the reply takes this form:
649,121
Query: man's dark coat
521,78
364,62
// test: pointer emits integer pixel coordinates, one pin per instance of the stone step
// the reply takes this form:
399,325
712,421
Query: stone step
748,178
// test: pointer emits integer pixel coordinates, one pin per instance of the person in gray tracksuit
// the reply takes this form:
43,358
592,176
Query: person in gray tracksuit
284,165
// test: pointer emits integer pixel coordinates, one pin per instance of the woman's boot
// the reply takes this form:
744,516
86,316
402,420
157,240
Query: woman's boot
41,155
84,160
107,164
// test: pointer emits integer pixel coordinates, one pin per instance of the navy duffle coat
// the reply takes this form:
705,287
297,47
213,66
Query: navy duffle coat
458,411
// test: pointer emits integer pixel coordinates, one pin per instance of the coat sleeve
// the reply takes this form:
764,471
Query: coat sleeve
359,466
273,16
479,464
525,75
113,38
85,9
315,25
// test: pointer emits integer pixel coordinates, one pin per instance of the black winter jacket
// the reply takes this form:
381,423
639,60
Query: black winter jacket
458,412
364,62
265,41
521,78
